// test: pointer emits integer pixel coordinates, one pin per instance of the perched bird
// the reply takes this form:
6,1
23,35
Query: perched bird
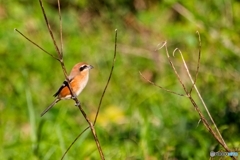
78,80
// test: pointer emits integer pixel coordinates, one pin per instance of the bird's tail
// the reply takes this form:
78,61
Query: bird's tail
50,106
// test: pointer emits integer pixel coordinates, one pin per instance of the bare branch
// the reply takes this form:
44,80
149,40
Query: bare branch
89,123
174,51
59,53
199,95
198,63
175,71
74,142
205,122
109,78
49,29
161,45
161,87
35,44
60,26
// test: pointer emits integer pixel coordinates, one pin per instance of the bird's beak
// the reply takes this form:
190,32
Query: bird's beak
90,67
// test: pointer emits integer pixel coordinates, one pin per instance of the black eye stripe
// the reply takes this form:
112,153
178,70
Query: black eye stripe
82,67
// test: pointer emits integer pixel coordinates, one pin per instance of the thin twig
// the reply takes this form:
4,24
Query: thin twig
161,45
194,104
161,87
92,129
199,95
74,142
60,26
198,63
109,78
49,29
189,96
59,53
175,71
205,122
35,44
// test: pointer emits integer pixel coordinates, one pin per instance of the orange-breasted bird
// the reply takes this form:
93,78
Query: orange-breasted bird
78,78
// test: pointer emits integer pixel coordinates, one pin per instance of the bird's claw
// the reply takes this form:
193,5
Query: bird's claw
73,97
77,104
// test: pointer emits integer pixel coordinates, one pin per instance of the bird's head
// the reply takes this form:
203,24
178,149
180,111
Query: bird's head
80,68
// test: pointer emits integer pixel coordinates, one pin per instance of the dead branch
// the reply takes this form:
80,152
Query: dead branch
109,78
217,135
200,97
198,63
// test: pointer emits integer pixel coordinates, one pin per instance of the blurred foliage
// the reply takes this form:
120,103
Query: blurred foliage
137,120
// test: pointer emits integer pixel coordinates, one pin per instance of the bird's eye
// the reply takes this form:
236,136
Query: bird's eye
82,67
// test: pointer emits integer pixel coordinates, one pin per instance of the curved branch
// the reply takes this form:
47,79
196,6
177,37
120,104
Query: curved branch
74,142
199,57
109,78
199,95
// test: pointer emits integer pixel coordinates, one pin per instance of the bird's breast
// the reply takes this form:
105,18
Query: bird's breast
80,83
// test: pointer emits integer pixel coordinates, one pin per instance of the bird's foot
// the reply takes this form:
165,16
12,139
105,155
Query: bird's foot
73,97
77,104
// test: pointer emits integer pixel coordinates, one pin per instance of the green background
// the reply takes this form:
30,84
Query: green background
137,120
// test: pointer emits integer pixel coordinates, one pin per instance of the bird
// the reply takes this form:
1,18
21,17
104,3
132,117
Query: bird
78,79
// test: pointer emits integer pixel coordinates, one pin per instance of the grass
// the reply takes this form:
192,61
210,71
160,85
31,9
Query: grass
137,120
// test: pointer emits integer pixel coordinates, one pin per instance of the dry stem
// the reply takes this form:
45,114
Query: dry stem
217,135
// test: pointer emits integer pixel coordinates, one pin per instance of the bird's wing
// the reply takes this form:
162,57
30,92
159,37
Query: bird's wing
65,83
